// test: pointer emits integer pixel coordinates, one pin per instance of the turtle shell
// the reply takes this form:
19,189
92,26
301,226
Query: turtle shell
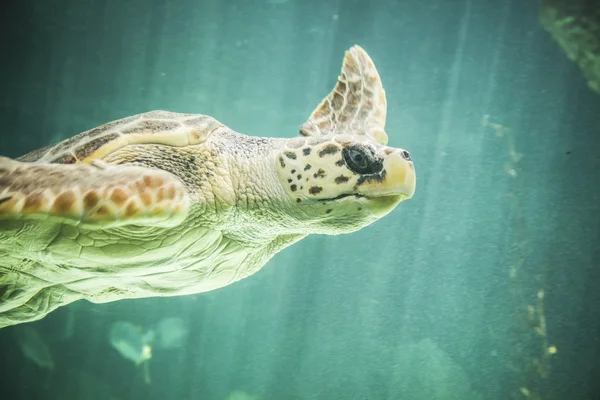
154,127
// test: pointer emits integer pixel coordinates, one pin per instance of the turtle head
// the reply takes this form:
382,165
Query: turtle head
340,173
341,183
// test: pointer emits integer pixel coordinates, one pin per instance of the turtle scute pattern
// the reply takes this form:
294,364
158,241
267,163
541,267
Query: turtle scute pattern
159,127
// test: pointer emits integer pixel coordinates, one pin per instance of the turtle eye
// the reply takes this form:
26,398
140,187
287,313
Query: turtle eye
360,160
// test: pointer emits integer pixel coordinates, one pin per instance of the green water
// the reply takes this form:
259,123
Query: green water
429,303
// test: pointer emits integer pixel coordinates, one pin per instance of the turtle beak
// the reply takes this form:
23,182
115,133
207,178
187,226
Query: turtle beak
397,178
400,176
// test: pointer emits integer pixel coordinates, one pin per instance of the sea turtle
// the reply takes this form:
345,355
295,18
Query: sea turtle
164,204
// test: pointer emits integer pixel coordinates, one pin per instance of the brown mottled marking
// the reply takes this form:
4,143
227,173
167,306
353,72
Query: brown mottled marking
281,162
139,185
65,159
145,197
102,211
293,171
118,196
314,190
170,195
147,181
306,151
329,149
293,187
289,180
90,200
290,154
88,148
307,167
320,173
339,162
160,195
33,202
337,101
353,101
355,86
341,179
299,176
63,202
99,193
131,209
325,109
325,125
157,181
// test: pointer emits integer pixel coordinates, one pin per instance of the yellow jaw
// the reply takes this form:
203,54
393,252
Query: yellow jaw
397,179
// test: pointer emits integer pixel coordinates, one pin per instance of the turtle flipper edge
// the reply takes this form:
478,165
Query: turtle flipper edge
100,194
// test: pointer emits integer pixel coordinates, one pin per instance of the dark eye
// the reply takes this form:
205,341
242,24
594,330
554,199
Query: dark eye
361,160
358,158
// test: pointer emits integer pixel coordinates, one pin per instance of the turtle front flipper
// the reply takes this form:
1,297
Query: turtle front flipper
356,105
97,195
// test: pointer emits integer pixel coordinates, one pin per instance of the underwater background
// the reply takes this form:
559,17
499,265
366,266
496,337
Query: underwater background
485,285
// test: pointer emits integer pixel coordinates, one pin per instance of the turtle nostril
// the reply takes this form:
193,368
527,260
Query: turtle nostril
406,155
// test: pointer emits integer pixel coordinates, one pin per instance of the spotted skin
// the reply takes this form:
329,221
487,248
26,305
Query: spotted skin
331,177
